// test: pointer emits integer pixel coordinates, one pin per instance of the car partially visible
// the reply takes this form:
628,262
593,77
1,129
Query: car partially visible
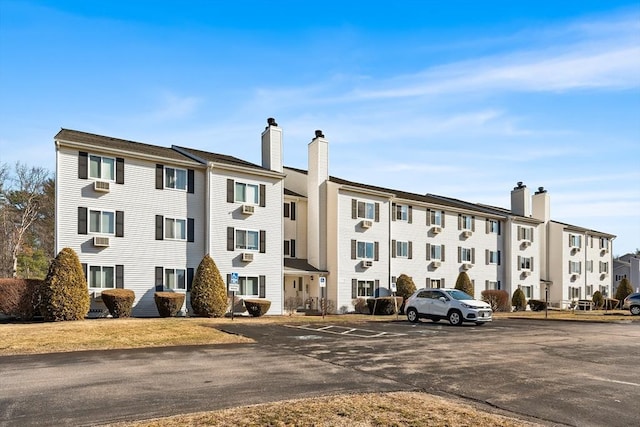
632,303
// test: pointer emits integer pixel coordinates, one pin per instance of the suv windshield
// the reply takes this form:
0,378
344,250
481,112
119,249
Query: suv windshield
459,295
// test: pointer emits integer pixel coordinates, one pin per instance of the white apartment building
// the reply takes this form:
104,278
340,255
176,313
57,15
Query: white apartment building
295,236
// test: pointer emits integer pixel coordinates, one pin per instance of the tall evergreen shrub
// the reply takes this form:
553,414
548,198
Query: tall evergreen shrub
64,294
624,289
464,283
518,300
209,292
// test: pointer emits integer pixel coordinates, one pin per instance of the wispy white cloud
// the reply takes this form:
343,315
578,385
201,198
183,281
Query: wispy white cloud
173,107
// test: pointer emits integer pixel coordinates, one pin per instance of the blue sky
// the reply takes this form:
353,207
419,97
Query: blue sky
456,98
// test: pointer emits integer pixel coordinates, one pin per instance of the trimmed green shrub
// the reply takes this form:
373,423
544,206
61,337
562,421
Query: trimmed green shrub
64,293
20,298
209,292
257,307
404,288
537,305
497,299
518,300
624,289
119,302
168,303
384,305
360,306
465,284
598,300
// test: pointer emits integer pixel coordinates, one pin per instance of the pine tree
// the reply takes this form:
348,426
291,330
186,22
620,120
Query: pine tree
624,290
519,300
64,294
209,292
464,283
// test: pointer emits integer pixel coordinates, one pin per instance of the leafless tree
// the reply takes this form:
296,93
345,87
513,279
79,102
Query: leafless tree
21,204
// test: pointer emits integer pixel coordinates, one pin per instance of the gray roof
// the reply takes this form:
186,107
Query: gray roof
584,230
288,192
302,265
218,158
116,144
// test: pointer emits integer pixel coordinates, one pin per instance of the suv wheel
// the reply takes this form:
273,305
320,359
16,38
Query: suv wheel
412,315
455,318
635,310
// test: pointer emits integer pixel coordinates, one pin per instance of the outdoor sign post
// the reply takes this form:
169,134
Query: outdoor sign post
233,287
323,288
394,289
546,301
604,292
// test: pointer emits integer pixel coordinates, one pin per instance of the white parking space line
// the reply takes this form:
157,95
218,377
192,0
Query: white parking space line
344,331
616,381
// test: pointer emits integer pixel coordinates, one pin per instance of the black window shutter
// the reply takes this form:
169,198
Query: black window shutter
293,248
377,212
119,224
410,214
230,191
263,287
228,283
191,181
354,288
428,216
286,209
119,276
82,220
376,286
190,230
393,248
84,269
83,160
353,249
189,279
230,238
428,251
287,247
442,219
376,250
159,177
410,250
159,227
394,211
119,170
159,282
263,195
293,211
263,241
354,209
442,253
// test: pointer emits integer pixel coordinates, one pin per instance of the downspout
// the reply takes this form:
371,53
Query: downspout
208,219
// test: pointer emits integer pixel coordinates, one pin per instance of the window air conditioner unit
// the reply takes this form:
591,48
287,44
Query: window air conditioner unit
526,243
101,241
247,257
466,234
248,209
436,229
526,273
436,264
576,249
467,266
605,251
102,186
366,223
575,276
367,263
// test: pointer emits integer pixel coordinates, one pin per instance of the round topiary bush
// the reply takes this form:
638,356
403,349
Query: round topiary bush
465,284
537,305
64,294
598,300
168,303
119,302
518,300
209,292
257,307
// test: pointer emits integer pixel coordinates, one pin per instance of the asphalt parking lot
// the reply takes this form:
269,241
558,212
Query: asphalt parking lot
555,373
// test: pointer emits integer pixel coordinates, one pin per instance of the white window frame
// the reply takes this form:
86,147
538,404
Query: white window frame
604,267
575,292
604,289
575,267
369,209
173,230
589,291
102,276
363,248
436,253
112,225
467,222
110,162
171,279
402,249
436,218
494,226
243,282
402,213
575,241
242,195
435,283
465,255
171,182
526,263
366,288
527,290
244,246
493,285
494,257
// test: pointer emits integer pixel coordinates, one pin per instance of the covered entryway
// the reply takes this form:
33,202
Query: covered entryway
301,286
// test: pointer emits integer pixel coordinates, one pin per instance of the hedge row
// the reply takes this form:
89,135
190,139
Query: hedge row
20,298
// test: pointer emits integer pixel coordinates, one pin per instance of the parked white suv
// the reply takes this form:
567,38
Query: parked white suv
451,304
